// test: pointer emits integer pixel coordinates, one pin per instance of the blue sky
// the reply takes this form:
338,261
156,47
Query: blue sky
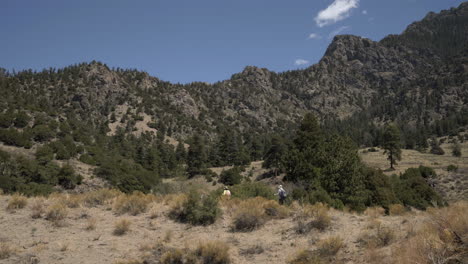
193,40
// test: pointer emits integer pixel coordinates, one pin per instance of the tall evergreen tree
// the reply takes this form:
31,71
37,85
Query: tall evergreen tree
274,155
391,144
196,157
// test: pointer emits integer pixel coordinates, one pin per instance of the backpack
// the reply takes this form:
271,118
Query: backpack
282,193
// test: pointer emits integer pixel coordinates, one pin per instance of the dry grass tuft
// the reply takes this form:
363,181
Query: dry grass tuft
318,212
374,212
213,252
252,250
121,227
129,261
100,197
330,246
63,246
37,207
443,239
249,216
17,201
397,209
133,204
173,256
274,210
90,224
56,213
154,211
73,200
378,235
305,256
6,250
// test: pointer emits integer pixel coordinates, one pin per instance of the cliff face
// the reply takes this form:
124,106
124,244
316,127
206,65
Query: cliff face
420,74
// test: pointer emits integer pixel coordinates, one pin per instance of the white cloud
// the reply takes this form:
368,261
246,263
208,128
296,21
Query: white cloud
299,62
314,36
338,31
364,12
335,12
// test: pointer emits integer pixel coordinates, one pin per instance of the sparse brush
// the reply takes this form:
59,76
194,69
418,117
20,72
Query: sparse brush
213,252
100,197
274,210
121,227
252,250
133,204
57,213
330,246
305,256
73,200
154,212
6,250
374,212
63,246
313,216
129,261
91,224
195,209
37,208
250,215
173,256
378,236
397,209
17,201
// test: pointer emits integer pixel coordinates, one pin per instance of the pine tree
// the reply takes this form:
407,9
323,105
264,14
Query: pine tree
196,156
181,154
274,155
391,144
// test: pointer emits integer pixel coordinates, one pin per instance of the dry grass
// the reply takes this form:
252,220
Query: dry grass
155,211
305,256
443,239
168,236
6,250
56,213
173,256
37,207
397,209
249,215
330,246
377,235
374,212
63,246
73,200
133,204
100,197
17,201
313,216
121,227
213,252
90,224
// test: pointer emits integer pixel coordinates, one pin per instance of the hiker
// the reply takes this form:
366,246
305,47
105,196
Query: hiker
281,194
226,192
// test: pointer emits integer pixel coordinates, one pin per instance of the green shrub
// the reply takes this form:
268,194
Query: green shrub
231,176
251,190
452,167
67,177
412,189
196,209
21,119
